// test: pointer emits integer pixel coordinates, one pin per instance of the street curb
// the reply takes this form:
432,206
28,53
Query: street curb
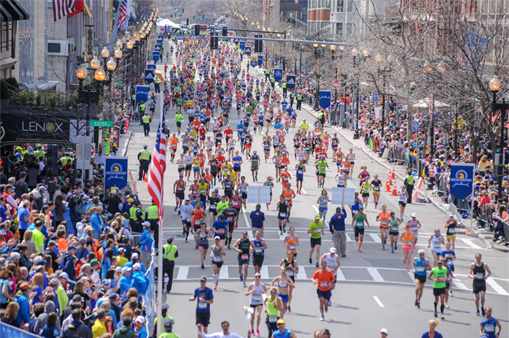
126,146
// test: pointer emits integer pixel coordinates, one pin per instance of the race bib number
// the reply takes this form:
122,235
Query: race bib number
282,214
441,279
213,207
202,191
452,231
489,328
220,231
287,198
198,222
180,189
479,275
408,243
419,268
324,284
292,247
244,257
272,319
360,224
202,305
258,249
384,223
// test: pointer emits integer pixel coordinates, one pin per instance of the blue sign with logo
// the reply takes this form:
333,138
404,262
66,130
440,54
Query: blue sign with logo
236,41
290,81
254,61
141,93
247,50
155,56
151,66
149,78
325,98
278,74
462,180
260,60
242,45
116,173
375,97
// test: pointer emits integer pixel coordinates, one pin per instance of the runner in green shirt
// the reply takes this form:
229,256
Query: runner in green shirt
178,119
439,276
360,219
223,205
321,167
316,231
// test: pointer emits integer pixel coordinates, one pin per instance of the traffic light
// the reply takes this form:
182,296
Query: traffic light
187,21
258,44
225,31
52,161
203,17
197,30
213,42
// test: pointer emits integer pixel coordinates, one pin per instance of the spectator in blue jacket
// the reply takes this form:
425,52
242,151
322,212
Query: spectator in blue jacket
146,242
24,304
140,281
68,264
96,221
125,282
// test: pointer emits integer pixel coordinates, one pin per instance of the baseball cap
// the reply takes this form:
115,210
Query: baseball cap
317,216
203,279
43,262
146,224
52,243
338,209
165,307
137,267
71,247
414,215
94,262
384,330
140,319
280,321
187,199
54,282
105,282
118,269
332,250
64,275
244,232
169,239
24,286
134,255
168,322
217,237
440,261
126,269
451,214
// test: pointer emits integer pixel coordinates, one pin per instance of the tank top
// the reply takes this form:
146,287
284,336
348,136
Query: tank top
356,204
282,283
402,196
257,295
331,261
291,244
198,216
359,221
451,229
236,201
288,195
217,256
341,180
408,240
413,225
394,225
283,209
479,273
202,238
300,171
243,187
365,188
272,310
286,263
244,246
420,266
258,247
323,201
436,245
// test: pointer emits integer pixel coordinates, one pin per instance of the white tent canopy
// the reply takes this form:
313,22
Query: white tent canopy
162,23
427,101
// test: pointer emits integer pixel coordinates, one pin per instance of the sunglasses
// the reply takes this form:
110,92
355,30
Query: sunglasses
257,276
272,292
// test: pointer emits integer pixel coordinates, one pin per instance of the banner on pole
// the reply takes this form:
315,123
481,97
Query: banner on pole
141,93
254,61
325,98
260,60
242,45
339,199
115,176
290,81
278,74
258,194
462,180
247,49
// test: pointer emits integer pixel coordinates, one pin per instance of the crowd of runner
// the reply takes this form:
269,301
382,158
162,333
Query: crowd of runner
74,256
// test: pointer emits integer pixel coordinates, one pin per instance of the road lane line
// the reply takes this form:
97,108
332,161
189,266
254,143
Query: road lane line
264,272
340,275
223,273
375,274
314,206
378,301
302,274
249,233
348,239
470,243
411,274
500,290
304,191
458,284
376,238
183,271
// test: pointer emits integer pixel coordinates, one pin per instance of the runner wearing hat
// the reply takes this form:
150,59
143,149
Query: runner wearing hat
451,224
204,297
415,225
316,231
333,264
439,276
273,306
324,279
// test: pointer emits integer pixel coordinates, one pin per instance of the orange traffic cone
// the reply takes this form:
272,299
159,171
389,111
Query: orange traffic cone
145,178
388,186
394,189
393,174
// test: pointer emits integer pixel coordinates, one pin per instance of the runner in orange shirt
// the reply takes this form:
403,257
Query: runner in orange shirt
173,147
285,177
289,194
324,279
383,217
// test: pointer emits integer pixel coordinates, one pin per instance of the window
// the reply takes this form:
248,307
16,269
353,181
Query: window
53,47
339,29
340,6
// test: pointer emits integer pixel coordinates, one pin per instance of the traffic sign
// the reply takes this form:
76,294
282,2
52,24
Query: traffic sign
101,124
118,93
336,85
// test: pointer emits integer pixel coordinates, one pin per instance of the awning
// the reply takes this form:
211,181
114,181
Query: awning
7,62
11,10
47,85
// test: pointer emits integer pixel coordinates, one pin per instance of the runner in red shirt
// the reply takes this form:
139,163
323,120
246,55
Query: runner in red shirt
285,177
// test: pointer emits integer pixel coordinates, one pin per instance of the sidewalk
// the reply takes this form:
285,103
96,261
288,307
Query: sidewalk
400,172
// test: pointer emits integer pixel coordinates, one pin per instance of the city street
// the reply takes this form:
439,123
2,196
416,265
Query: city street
374,290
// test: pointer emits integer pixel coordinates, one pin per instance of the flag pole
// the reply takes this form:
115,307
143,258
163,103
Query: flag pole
159,244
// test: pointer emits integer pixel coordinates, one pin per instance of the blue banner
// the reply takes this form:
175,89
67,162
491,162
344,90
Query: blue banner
247,50
254,61
462,180
155,56
141,93
278,74
116,173
151,66
375,96
242,45
149,78
325,98
260,60
290,81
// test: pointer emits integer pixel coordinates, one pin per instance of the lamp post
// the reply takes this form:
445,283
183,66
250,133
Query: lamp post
383,71
355,53
503,107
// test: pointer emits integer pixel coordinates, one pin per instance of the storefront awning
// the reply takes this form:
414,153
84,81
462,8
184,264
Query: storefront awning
11,10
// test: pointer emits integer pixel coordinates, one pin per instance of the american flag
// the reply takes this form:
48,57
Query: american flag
67,8
157,169
124,13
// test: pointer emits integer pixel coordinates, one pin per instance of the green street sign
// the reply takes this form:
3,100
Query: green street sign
101,124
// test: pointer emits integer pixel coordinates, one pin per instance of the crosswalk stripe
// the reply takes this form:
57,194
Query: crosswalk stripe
411,274
183,272
264,272
224,273
459,284
470,243
348,239
496,287
375,274
340,275
376,238
302,274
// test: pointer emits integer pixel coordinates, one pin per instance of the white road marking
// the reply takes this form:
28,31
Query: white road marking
340,275
500,290
304,191
183,271
470,243
458,284
264,272
375,274
314,206
302,274
376,238
223,273
411,275
348,239
378,301
249,233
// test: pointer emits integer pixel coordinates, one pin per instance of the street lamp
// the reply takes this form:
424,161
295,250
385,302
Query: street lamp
503,107
95,63
356,135
383,71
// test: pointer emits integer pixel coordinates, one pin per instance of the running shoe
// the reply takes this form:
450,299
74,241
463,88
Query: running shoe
442,316
310,261
241,277
404,262
322,319
392,251
203,267
396,247
288,309
330,303
446,305
477,313
187,240
450,293
287,220
483,312
257,332
281,233
416,302
436,314
175,209
252,332
244,285
360,250
215,287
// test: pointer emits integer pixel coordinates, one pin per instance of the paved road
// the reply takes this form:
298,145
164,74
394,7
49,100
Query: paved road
363,275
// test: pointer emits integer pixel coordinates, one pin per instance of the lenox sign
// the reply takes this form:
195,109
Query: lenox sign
35,127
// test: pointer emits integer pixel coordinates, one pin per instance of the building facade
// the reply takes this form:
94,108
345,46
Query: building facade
11,13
